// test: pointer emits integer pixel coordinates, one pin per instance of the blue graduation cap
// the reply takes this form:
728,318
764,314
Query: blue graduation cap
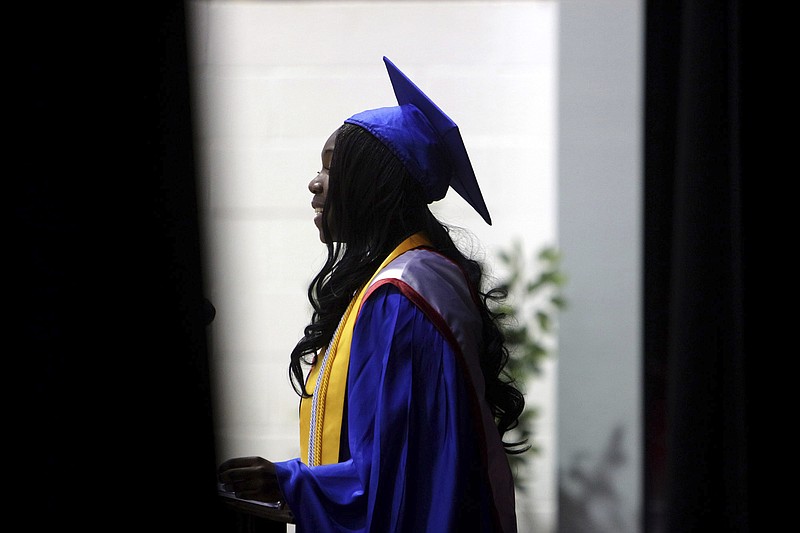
426,140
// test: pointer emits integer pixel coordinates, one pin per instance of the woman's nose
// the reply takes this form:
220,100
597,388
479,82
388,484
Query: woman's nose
315,185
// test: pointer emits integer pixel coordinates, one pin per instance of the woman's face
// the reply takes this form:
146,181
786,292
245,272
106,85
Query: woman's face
319,185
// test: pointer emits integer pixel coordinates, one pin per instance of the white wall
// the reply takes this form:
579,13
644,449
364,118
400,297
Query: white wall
599,234
272,81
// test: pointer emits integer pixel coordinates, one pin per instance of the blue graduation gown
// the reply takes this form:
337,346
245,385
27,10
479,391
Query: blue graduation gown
417,461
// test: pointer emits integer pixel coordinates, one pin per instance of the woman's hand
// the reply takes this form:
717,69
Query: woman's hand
250,478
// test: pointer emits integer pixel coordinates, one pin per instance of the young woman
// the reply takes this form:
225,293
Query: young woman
405,404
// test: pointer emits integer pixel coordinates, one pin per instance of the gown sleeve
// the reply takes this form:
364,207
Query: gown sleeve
415,464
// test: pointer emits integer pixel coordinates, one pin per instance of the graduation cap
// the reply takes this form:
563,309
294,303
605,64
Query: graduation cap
426,140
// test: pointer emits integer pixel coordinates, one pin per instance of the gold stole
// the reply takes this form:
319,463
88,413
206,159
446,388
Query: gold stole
319,444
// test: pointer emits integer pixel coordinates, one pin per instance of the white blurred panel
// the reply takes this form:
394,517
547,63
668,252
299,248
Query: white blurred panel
272,81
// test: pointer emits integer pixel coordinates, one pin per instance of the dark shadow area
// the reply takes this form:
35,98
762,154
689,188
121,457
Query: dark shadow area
704,307
111,424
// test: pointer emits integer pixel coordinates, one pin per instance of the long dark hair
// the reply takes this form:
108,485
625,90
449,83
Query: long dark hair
372,205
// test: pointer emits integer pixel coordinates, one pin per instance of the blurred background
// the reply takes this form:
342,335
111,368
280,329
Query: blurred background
158,166
547,97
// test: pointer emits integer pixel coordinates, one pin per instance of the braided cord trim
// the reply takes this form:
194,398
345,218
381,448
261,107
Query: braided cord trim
321,391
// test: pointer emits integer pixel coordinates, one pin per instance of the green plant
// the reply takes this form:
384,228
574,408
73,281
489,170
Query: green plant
530,314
